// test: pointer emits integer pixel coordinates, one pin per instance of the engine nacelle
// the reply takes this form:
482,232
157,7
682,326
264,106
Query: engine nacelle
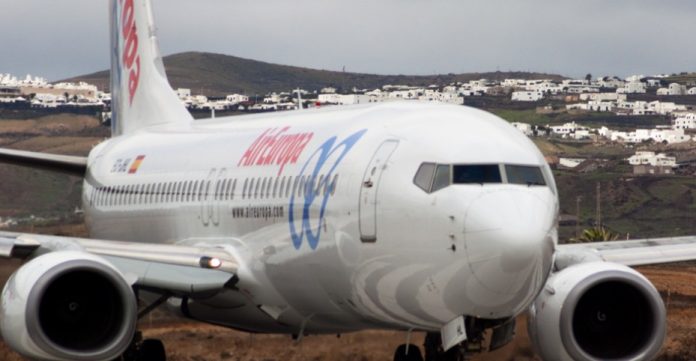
597,311
68,305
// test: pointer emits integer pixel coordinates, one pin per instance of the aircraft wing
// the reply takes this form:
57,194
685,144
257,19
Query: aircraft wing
174,269
637,252
55,162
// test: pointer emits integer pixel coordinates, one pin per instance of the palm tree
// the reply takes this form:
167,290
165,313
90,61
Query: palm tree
598,234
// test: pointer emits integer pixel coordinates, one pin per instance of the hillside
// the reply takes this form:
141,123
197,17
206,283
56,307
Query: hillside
217,74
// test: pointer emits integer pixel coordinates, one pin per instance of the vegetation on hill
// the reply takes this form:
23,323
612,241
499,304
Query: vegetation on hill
217,74
683,78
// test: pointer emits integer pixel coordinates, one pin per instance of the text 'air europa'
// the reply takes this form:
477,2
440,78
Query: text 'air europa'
277,147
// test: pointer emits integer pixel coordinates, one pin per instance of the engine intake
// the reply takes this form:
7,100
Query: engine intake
598,311
70,306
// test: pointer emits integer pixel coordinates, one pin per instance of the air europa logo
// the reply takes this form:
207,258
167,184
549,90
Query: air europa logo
323,161
130,57
275,146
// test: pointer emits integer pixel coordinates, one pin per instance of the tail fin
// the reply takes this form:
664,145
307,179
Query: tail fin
140,92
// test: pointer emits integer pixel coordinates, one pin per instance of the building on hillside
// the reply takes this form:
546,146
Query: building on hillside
236,98
611,82
677,89
603,97
344,99
328,90
9,92
525,128
633,87
527,96
643,157
571,130
646,163
684,121
581,165
600,106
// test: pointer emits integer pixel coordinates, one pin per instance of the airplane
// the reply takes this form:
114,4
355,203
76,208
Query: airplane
416,217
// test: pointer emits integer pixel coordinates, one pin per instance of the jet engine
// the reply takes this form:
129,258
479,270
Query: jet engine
68,305
597,311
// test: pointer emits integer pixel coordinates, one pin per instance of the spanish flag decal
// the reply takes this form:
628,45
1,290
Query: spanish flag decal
136,164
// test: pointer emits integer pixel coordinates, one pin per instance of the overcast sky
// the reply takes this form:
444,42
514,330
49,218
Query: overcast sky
58,39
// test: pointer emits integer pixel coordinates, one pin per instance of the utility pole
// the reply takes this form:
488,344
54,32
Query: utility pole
599,206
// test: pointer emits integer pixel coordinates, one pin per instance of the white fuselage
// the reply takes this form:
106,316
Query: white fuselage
360,246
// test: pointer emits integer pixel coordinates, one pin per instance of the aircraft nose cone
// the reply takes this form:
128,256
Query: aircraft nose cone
509,240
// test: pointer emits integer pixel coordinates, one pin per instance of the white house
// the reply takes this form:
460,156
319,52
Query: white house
236,98
570,162
525,128
677,89
328,90
611,82
527,96
685,121
344,99
633,87
600,106
650,158
603,96
567,129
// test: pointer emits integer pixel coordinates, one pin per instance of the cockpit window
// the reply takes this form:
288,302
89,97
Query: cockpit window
432,177
424,176
522,174
442,177
479,174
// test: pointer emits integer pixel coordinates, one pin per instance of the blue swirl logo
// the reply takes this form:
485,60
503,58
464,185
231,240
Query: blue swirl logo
328,155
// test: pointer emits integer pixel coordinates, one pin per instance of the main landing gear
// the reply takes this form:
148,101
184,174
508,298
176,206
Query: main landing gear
501,332
144,350
433,351
147,349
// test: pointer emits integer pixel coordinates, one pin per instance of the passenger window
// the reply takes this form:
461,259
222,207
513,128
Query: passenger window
177,195
244,190
281,189
127,195
288,185
263,188
256,188
234,188
194,191
226,191
208,189
522,174
275,187
319,184
300,188
442,177
296,185
424,176
166,192
480,174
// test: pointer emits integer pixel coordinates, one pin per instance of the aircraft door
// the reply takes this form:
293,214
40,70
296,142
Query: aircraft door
205,197
215,197
369,189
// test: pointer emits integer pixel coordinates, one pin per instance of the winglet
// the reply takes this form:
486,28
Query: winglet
140,92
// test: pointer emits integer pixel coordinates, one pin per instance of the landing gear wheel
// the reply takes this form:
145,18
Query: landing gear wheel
144,350
152,350
434,351
414,353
